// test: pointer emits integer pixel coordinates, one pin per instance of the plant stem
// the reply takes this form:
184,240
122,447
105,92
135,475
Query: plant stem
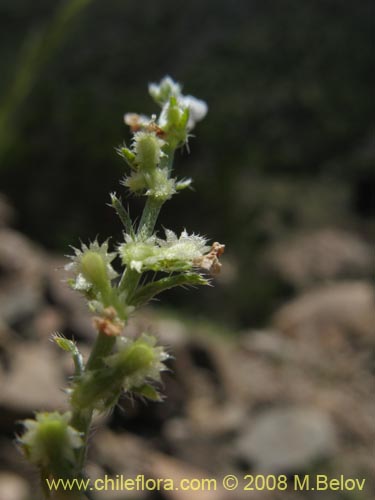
149,217
130,278
81,419
102,347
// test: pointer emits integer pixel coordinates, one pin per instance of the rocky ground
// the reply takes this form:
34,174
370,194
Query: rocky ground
294,398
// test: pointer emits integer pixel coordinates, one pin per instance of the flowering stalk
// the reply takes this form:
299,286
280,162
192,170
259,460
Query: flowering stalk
57,443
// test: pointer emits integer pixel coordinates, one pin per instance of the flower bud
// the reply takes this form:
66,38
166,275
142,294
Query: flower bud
174,120
164,90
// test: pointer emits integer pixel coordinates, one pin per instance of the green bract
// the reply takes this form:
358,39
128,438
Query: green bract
155,184
136,363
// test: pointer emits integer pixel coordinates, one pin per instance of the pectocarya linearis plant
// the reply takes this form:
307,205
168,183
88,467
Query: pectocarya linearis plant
150,264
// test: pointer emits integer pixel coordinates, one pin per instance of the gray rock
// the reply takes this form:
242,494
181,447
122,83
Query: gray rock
270,344
346,306
13,487
34,379
21,280
287,440
323,255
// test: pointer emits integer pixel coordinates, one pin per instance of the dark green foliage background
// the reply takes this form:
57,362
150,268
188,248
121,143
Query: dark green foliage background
286,145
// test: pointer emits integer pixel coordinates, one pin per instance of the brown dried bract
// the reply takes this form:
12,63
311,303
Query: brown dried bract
210,262
137,122
109,323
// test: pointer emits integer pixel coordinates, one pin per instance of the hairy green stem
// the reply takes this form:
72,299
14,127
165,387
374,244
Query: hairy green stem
130,278
102,347
78,362
81,419
149,217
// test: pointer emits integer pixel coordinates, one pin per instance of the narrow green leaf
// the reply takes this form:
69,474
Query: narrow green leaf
70,346
149,392
63,343
147,292
183,184
127,155
123,214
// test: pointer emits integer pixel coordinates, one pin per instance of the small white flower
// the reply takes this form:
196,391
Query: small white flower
197,109
161,92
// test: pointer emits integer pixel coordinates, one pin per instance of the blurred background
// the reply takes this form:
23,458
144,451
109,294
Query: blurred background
283,169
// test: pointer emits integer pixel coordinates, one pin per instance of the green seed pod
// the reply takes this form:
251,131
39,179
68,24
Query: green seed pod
129,368
94,269
137,358
49,441
147,148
